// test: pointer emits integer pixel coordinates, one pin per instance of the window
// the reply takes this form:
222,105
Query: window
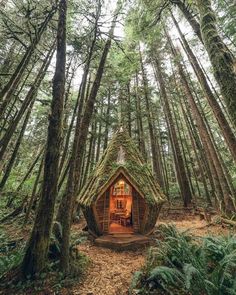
121,188
120,204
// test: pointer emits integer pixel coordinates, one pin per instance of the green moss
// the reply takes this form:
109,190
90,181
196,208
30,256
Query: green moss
133,165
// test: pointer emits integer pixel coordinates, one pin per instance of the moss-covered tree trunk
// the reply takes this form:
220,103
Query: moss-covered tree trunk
138,109
179,162
221,119
222,59
189,15
156,163
224,198
36,253
107,119
68,202
204,171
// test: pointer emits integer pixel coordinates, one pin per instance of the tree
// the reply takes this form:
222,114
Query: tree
68,201
222,59
37,248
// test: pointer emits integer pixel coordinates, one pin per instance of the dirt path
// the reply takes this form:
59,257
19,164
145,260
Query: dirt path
110,272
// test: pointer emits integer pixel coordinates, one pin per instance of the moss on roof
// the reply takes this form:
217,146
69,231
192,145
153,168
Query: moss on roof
131,163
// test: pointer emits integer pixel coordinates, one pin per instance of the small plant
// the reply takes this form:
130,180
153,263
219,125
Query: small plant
182,264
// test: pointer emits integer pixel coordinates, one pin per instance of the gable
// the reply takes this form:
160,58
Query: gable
121,156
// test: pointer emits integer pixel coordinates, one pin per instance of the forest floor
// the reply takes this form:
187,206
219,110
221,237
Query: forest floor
110,272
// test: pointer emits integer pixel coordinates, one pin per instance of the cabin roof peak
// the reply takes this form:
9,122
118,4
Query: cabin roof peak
122,153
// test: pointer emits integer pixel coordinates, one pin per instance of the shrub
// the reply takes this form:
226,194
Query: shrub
182,264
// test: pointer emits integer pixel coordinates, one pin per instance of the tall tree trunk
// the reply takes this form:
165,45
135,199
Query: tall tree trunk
99,134
222,121
36,253
222,59
141,141
107,119
68,201
27,101
188,14
179,163
30,169
200,163
33,195
155,152
5,94
15,151
129,110
226,201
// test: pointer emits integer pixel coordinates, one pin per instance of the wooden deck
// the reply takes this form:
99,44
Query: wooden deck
122,241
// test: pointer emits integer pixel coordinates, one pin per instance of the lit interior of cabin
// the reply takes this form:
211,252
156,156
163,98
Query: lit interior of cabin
121,208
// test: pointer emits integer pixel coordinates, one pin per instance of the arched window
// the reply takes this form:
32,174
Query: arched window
121,188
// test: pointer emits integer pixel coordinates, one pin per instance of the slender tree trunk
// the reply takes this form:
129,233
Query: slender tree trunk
89,156
27,101
107,119
188,14
141,141
222,60
179,163
222,121
227,198
200,165
36,253
99,134
12,106
30,169
15,151
33,195
94,138
129,110
155,152
14,81
68,201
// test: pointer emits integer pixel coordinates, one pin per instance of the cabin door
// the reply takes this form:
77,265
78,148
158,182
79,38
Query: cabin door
121,202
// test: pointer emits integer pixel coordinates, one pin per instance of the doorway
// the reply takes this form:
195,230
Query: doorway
120,208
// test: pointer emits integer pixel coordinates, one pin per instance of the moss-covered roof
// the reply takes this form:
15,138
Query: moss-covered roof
121,155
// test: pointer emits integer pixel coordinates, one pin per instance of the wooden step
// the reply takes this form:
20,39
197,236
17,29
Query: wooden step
122,241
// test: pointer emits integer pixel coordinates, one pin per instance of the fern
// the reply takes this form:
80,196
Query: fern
183,264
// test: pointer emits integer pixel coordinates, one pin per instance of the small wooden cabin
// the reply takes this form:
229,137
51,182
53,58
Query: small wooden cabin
121,196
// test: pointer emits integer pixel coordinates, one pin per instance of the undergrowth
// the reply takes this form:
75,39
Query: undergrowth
180,263
51,279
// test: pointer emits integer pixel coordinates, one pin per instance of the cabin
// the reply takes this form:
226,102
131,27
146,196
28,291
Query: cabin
121,200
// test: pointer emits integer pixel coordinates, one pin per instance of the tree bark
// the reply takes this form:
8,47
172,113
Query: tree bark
155,152
179,163
107,119
15,151
35,257
222,59
226,201
68,201
220,117
5,94
27,101
188,14
141,141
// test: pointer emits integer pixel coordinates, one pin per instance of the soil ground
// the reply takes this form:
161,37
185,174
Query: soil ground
110,272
